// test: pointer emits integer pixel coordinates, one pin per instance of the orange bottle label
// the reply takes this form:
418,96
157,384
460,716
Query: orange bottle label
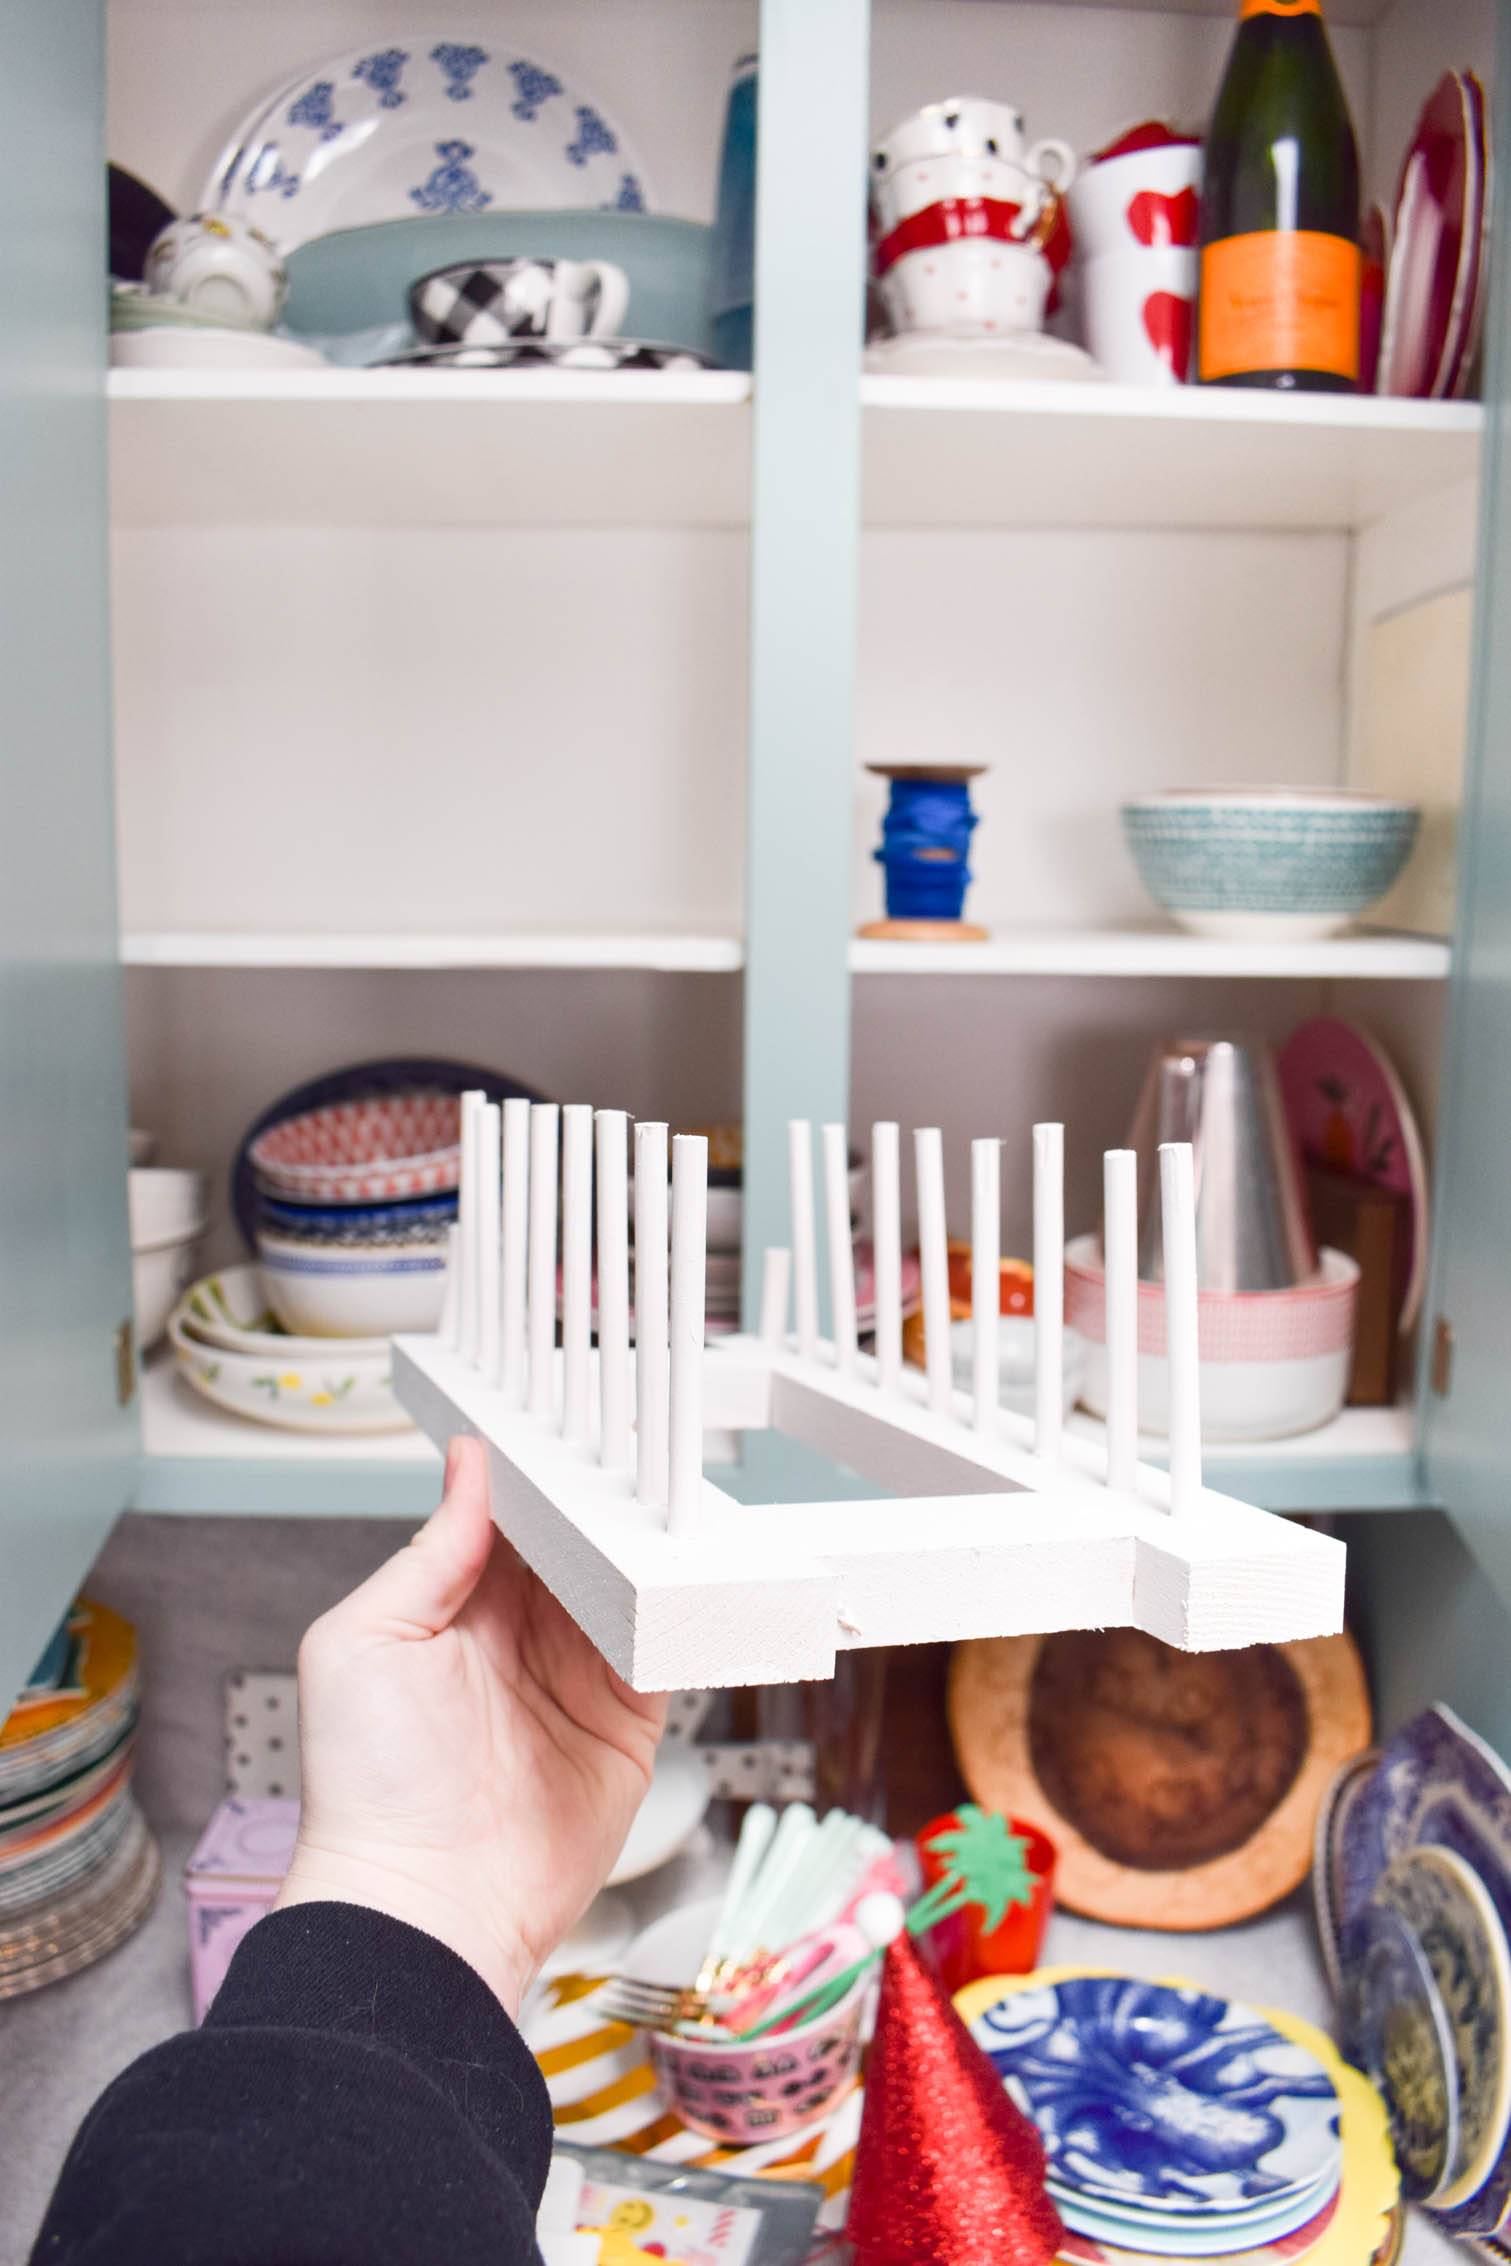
1279,8
1282,299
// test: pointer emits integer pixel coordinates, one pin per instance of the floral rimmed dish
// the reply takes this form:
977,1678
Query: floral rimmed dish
327,1385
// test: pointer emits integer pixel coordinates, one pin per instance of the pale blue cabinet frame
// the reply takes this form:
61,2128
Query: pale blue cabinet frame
805,548
1467,1434
67,1446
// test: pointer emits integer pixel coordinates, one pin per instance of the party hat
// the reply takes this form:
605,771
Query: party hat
948,2170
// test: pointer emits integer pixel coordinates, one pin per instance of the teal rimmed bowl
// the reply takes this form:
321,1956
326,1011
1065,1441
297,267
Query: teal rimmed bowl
1283,863
358,279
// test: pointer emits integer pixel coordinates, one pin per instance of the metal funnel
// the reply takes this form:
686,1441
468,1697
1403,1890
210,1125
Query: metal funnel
1223,1096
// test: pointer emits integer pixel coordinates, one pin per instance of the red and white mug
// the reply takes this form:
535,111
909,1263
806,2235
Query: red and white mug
1136,212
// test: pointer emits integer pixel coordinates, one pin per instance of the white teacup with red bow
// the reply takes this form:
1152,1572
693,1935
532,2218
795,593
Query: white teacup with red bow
1136,209
967,227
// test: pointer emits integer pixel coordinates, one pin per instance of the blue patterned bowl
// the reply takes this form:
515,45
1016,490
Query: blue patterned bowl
1279,863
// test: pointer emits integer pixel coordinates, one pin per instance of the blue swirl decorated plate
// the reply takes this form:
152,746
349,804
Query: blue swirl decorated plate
1437,1783
1398,2031
1170,2100
417,125
1223,2234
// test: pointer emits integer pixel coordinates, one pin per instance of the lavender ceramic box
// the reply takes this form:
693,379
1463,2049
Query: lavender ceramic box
230,1881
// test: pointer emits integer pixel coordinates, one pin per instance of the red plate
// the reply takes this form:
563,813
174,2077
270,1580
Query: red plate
1436,237
1479,289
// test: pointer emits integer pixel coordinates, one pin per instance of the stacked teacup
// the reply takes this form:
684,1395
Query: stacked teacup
1136,209
966,221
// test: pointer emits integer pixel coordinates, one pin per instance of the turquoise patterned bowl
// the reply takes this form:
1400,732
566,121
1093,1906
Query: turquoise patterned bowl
1282,863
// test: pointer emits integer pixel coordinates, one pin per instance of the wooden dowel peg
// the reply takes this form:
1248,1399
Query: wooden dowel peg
928,1161
1049,1288
651,1313
886,1239
468,1331
613,1290
776,1293
576,1267
514,1265
1182,1342
689,1273
450,1294
986,1280
1120,1258
804,1252
545,1135
489,1139
841,1245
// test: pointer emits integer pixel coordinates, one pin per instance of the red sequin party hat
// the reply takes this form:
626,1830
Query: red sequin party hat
948,2170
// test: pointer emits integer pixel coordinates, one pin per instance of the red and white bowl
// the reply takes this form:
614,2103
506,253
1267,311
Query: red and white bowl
1273,1362
363,1152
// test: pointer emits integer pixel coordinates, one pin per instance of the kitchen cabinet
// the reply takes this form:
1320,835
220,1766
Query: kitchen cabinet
379,637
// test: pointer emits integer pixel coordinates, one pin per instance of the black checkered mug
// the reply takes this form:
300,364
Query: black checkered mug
491,302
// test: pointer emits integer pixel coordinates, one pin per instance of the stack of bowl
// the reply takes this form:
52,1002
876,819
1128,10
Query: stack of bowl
168,1216
354,1200
232,1349
1275,1316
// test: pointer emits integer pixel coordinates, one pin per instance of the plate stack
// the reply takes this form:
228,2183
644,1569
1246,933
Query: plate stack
1413,1890
1175,2124
78,1867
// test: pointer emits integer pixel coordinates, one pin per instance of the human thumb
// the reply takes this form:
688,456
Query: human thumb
421,1589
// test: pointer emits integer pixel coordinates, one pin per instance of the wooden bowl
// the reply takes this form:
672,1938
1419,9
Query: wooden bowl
1181,1789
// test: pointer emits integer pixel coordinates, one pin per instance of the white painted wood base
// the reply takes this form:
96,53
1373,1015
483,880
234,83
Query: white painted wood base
977,1537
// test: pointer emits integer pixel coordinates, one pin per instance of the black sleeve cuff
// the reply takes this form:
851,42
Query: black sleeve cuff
345,1970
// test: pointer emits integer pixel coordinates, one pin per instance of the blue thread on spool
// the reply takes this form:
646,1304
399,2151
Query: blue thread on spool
925,841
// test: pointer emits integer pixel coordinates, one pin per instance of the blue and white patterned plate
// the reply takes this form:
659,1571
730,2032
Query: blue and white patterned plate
1439,1783
1169,2099
417,126
1214,2234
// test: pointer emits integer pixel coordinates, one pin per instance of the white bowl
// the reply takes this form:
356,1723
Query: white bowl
339,1389
179,347
157,1279
344,1291
230,1310
166,1206
1274,1362
1015,1343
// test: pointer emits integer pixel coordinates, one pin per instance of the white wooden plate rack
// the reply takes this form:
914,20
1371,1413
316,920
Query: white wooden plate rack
990,1525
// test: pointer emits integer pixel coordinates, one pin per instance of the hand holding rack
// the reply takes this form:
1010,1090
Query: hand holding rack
991,1524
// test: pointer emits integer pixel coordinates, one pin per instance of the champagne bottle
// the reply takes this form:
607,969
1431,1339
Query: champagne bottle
1280,260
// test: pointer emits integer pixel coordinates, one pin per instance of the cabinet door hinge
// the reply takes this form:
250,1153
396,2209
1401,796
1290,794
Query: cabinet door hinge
1441,1373
125,1362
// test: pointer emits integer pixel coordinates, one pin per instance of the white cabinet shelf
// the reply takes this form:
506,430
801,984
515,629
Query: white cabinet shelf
449,448
1157,951
586,449
197,1459
673,954
1151,951
954,452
